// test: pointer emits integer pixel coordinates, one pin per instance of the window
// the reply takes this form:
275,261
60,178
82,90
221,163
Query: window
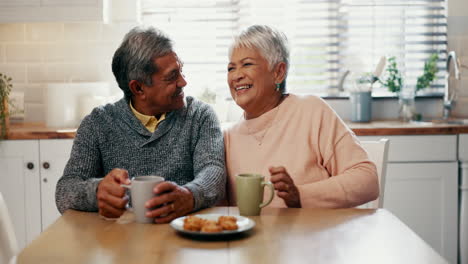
409,30
327,37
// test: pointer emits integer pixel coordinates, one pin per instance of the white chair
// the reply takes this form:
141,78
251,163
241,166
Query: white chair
378,153
8,243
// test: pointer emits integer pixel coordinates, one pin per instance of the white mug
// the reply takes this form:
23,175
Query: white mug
141,189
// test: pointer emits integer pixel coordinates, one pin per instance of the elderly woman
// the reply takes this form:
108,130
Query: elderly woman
298,142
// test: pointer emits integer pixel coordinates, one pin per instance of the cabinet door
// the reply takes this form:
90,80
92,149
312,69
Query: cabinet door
420,148
54,155
424,196
19,184
463,147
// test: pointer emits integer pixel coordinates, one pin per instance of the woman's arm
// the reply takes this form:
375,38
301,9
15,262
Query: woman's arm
353,177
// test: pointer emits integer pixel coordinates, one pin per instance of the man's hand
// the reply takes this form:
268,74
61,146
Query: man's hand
285,187
171,201
110,195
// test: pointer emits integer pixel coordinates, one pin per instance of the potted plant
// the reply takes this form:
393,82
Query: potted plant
5,89
394,82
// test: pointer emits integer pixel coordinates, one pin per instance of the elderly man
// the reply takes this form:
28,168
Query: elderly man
153,130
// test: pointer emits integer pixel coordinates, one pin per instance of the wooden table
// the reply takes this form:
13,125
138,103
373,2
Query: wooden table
280,236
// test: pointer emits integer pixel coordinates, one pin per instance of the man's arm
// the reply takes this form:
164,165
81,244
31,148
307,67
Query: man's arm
76,189
209,185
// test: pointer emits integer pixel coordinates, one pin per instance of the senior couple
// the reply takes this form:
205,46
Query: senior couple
298,143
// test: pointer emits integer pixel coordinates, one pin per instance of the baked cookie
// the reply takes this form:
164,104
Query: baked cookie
227,218
211,227
193,223
228,225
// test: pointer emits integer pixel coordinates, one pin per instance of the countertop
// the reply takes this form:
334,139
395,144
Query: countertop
38,131
374,128
394,127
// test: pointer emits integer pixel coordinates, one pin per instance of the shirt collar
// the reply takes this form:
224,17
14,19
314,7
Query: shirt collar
145,119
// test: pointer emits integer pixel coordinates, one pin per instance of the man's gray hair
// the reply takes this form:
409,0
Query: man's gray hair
271,43
133,60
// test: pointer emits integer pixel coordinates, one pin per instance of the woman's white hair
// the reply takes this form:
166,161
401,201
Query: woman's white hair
271,43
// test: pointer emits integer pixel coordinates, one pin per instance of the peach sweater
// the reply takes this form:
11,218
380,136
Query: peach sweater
320,153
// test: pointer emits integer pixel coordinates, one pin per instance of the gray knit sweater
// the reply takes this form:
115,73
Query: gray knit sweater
186,148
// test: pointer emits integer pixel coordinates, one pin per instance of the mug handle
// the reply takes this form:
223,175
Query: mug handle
272,193
126,186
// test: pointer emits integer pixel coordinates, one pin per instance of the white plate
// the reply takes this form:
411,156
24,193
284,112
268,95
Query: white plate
243,223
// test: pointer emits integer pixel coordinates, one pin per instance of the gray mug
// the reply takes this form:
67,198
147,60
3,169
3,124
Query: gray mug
141,190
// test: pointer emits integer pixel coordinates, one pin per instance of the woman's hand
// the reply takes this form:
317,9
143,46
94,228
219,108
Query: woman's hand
285,187
171,201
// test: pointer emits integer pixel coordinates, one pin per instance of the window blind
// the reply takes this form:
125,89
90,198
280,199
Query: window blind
327,37
409,30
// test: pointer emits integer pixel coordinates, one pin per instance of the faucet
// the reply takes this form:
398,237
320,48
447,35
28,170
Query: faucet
342,80
449,95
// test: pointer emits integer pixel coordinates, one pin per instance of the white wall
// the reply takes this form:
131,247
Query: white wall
34,54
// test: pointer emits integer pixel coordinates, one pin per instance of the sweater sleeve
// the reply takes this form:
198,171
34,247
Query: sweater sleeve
353,177
76,189
208,186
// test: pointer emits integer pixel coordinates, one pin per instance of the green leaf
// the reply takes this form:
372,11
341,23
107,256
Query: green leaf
429,74
393,80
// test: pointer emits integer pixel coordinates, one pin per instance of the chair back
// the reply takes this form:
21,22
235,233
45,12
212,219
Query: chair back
8,243
378,153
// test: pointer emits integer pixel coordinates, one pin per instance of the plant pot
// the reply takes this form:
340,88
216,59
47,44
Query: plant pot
4,120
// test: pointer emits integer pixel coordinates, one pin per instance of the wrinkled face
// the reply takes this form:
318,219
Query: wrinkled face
250,81
166,92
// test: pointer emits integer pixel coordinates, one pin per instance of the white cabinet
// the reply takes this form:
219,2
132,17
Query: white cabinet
19,184
463,205
51,10
463,148
424,196
29,171
54,154
421,188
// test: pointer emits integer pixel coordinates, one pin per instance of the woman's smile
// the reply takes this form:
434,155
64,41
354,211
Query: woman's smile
241,89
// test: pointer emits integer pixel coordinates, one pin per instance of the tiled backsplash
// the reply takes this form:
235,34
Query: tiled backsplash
38,53
458,41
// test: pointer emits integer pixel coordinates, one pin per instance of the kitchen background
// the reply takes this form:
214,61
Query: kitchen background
35,54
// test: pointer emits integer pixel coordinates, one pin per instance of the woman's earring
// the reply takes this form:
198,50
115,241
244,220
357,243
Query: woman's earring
278,87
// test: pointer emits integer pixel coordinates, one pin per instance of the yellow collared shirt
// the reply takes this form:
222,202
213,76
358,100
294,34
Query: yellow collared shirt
150,122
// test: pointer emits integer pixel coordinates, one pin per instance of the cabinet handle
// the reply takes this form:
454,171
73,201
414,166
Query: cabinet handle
46,165
30,165
44,180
